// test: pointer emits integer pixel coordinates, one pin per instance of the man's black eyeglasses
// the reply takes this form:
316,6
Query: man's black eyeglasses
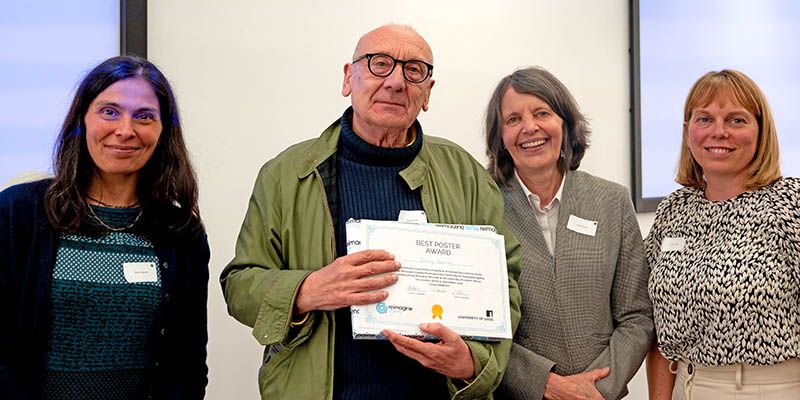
382,65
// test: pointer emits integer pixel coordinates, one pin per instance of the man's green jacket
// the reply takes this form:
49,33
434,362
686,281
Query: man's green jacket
288,232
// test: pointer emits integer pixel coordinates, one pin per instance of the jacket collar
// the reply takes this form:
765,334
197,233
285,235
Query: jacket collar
415,173
320,150
518,194
530,195
325,145
518,208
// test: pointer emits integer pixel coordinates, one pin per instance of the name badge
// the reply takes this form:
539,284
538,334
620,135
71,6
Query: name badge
415,216
138,272
583,226
673,244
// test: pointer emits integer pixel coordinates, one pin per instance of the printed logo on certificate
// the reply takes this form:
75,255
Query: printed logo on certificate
452,274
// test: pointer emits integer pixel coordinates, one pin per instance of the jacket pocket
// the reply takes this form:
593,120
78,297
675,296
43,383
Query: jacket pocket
274,355
271,351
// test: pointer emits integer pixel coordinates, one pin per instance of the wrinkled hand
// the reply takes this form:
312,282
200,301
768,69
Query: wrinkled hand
575,387
450,356
348,280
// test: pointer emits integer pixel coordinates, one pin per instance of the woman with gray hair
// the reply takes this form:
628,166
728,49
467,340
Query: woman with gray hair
586,317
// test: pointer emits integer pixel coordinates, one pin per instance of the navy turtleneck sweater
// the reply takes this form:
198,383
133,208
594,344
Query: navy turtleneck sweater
369,186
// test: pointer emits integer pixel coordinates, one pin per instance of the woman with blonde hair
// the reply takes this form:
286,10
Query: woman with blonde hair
724,251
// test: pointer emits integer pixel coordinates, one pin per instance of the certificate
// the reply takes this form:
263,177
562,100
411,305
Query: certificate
452,274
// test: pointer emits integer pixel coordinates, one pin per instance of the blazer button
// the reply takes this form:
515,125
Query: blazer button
163,331
166,297
164,265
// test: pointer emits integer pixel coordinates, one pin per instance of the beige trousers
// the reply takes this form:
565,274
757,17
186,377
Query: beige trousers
737,382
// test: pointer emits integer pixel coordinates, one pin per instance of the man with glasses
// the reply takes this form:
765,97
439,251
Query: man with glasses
291,278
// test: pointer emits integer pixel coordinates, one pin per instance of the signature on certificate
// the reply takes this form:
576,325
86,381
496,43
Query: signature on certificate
411,289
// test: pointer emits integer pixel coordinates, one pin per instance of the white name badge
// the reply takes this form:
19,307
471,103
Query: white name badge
673,244
583,226
416,216
138,272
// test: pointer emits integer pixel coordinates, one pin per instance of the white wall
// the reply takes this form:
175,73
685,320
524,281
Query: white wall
253,77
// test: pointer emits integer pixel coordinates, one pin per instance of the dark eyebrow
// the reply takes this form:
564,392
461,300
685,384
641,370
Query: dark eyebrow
107,103
113,104
148,109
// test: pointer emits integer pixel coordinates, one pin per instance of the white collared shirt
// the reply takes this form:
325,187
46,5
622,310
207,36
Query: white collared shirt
547,217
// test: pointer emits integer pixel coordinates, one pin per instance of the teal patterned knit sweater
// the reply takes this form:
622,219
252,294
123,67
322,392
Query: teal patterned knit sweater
102,321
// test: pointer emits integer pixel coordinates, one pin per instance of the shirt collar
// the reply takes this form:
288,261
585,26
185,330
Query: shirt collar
534,197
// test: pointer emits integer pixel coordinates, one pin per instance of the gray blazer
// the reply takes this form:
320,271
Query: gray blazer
588,306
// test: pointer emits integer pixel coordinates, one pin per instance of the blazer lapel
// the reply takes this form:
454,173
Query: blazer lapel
567,207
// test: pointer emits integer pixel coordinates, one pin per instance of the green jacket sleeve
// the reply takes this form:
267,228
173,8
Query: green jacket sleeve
258,286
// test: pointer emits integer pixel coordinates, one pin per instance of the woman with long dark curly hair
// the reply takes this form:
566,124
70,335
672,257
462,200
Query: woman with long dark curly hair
104,267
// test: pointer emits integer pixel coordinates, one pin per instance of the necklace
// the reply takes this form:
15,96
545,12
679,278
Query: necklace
111,228
134,204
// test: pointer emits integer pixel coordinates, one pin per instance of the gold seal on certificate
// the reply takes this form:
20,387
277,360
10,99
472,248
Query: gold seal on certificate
452,274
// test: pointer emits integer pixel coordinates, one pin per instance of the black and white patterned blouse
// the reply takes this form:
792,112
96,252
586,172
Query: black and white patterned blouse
725,276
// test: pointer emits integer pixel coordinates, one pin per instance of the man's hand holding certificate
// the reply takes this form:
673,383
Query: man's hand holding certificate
452,274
